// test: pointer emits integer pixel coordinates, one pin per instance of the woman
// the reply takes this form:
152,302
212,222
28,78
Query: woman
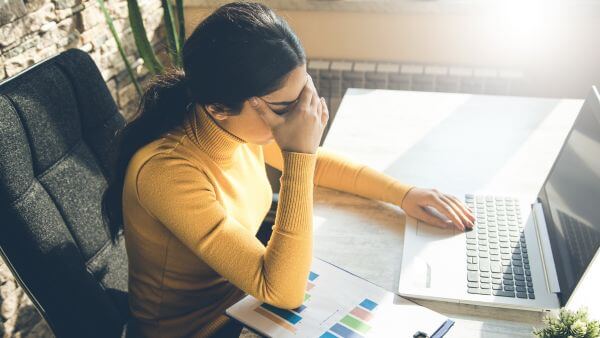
190,186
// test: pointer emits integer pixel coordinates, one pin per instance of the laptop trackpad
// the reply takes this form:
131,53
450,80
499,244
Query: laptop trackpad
432,231
435,260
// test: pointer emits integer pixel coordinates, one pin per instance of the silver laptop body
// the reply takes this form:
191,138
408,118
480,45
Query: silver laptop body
526,254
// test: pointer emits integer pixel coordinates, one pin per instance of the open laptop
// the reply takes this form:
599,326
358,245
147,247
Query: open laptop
520,254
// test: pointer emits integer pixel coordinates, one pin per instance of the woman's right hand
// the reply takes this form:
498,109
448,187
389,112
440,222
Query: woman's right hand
299,130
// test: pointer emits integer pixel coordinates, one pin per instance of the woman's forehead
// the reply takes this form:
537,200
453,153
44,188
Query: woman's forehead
291,89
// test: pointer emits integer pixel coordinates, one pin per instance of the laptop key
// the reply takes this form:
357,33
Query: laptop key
503,293
485,285
531,296
508,288
496,287
472,267
473,284
495,267
519,277
472,276
521,295
473,290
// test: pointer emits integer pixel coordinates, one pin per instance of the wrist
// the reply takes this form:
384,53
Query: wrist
401,204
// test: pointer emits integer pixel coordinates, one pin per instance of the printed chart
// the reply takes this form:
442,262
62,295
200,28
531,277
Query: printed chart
287,319
338,304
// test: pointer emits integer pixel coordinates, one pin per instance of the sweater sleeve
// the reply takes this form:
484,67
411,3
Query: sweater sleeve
340,173
180,196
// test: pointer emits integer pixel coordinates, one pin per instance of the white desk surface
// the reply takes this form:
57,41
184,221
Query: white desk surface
456,143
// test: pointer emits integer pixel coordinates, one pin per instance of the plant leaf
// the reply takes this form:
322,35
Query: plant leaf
172,39
181,20
113,31
141,38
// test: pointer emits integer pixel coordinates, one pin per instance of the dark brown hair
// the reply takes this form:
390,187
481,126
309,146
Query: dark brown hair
242,49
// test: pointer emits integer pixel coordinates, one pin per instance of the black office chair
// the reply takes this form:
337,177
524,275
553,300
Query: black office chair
57,119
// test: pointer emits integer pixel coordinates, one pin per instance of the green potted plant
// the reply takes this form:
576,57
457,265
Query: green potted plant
175,29
569,324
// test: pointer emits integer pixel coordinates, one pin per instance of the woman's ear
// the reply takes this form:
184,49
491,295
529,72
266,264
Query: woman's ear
216,111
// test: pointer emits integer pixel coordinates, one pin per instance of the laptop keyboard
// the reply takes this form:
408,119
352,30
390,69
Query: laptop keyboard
497,257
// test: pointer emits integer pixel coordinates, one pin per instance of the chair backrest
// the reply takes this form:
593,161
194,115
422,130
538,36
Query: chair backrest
57,119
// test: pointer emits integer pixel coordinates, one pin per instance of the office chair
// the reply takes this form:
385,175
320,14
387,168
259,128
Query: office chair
57,119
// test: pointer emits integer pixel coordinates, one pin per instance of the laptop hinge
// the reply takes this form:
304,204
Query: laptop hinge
546,250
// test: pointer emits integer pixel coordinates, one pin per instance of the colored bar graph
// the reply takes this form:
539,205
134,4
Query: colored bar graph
285,314
354,324
286,318
344,331
368,304
300,308
361,313
276,319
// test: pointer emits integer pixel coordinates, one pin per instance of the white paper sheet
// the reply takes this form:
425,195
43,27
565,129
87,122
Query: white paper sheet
339,304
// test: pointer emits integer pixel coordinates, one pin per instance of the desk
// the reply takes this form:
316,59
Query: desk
457,143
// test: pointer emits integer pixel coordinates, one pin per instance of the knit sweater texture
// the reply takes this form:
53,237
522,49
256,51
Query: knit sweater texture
193,201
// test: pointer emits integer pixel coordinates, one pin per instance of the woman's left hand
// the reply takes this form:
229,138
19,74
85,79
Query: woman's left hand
417,200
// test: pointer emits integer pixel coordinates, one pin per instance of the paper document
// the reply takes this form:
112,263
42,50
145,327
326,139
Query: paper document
340,304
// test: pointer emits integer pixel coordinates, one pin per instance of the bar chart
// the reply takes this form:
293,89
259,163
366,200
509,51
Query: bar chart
355,323
338,304
287,319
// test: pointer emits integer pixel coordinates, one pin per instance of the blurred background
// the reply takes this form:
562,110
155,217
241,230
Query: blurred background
525,47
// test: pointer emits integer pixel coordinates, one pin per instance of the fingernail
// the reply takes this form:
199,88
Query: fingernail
253,102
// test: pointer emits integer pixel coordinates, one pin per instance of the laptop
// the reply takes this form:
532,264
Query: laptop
521,254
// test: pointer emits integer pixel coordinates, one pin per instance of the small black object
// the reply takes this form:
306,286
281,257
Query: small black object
420,334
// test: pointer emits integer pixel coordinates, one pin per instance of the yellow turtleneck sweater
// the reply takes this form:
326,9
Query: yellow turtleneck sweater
193,201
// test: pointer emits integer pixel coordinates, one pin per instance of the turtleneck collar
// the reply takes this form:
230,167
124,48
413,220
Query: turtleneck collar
216,142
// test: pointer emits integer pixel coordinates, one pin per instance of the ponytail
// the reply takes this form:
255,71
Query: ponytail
163,106
242,49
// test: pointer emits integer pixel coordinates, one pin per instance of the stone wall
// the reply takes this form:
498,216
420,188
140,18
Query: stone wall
32,30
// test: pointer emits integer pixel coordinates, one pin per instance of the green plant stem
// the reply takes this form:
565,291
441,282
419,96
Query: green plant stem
141,38
181,20
172,39
111,26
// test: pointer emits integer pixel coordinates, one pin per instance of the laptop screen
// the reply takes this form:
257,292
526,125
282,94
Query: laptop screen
571,198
